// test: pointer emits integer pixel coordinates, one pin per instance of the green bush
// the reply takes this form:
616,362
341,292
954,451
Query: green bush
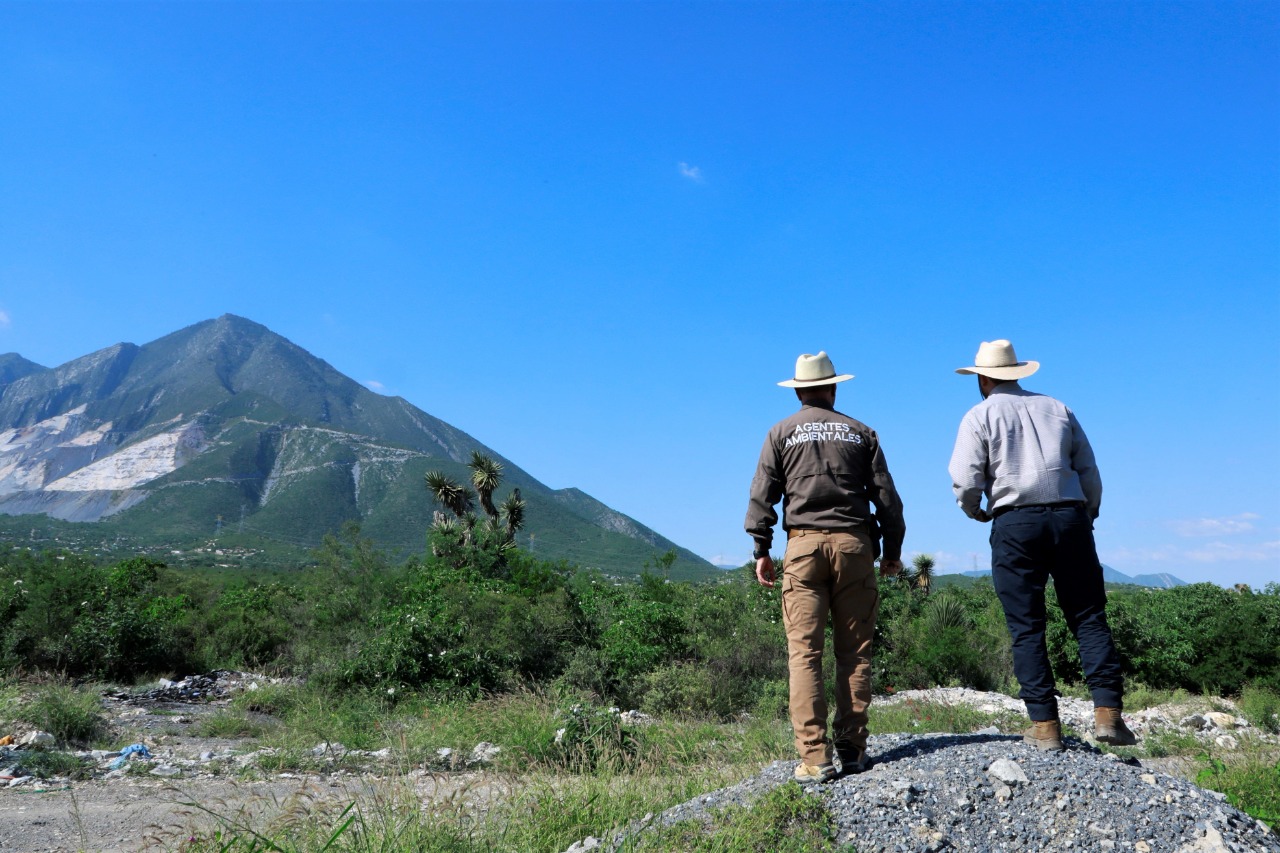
249,626
1253,786
1261,707
70,715
592,737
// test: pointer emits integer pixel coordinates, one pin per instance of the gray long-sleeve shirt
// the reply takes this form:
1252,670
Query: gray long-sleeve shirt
1022,448
827,469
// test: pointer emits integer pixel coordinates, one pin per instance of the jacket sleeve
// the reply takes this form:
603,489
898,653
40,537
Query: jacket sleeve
968,467
1086,467
766,491
893,527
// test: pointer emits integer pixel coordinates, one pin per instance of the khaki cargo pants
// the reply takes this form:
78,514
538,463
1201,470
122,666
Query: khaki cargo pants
829,572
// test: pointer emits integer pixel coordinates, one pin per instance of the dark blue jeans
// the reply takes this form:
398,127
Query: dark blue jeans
1029,545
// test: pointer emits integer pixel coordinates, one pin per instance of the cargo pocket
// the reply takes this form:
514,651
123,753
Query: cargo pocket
854,543
861,600
801,555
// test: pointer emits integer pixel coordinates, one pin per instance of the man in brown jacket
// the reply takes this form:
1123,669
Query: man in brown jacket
828,470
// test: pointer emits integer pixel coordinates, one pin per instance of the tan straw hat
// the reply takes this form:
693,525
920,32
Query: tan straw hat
997,360
814,370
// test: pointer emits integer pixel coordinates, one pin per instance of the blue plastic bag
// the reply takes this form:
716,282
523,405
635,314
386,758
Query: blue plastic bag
138,748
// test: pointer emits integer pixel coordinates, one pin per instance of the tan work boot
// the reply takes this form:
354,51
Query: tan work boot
1044,734
807,774
1109,727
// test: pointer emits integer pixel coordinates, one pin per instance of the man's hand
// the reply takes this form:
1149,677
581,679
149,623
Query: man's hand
890,568
764,571
982,515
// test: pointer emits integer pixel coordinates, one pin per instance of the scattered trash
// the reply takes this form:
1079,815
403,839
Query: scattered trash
39,740
484,753
134,749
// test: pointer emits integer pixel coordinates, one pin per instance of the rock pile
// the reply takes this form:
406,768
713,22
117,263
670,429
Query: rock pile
1218,727
990,792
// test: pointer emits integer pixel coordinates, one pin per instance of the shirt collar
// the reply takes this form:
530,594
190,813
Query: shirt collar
818,406
1009,386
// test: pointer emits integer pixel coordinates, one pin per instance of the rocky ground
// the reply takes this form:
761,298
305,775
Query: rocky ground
990,792
980,791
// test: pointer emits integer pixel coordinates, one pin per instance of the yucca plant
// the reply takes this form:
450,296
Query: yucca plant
449,493
512,510
922,573
945,612
486,475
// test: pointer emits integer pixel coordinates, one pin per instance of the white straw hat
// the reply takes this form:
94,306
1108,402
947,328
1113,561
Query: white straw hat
997,360
814,370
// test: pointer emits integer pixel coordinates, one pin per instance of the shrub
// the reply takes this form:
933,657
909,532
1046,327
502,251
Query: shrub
68,714
1252,786
1261,707
249,626
592,737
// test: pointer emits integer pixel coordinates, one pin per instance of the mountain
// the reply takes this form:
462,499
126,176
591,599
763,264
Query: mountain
1109,575
226,428
14,366
1162,579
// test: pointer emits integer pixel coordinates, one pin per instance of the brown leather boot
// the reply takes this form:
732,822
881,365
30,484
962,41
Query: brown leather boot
1109,727
1044,734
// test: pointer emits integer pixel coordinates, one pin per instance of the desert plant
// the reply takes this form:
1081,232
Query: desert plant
922,573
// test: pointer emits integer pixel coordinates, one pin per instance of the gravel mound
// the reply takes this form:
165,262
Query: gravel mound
991,792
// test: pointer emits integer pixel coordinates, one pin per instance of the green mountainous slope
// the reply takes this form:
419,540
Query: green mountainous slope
226,429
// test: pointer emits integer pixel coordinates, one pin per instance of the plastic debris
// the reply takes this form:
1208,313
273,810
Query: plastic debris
134,749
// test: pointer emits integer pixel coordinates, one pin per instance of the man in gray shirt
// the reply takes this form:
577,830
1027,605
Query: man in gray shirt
828,470
1028,454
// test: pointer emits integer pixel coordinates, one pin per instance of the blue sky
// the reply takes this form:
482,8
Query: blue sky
594,235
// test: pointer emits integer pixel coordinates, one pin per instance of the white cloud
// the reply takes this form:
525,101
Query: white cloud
1230,525
693,173
4,319
1209,552
1219,552
949,562
374,385
727,561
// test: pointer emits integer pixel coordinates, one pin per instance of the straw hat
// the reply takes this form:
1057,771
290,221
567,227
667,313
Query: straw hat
997,360
814,370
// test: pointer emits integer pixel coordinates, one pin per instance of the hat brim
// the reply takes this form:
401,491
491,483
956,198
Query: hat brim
813,383
1013,371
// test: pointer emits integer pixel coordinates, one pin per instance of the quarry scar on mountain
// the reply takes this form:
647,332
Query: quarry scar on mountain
227,420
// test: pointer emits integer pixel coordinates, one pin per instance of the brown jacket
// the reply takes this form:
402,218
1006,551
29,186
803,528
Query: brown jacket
828,470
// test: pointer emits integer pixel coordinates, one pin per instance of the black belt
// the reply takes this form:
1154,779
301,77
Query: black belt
999,511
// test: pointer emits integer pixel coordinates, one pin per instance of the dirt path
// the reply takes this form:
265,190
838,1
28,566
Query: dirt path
131,814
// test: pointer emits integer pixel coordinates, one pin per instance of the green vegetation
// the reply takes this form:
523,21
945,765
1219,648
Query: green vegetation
70,715
477,640
479,615
786,820
1251,785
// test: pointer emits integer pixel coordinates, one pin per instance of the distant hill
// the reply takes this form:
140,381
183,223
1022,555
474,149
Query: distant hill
225,429
1110,575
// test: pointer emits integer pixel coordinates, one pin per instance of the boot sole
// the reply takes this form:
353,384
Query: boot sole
1115,739
1045,745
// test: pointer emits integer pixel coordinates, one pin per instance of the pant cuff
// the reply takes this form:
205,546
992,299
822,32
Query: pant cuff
1040,711
1108,699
